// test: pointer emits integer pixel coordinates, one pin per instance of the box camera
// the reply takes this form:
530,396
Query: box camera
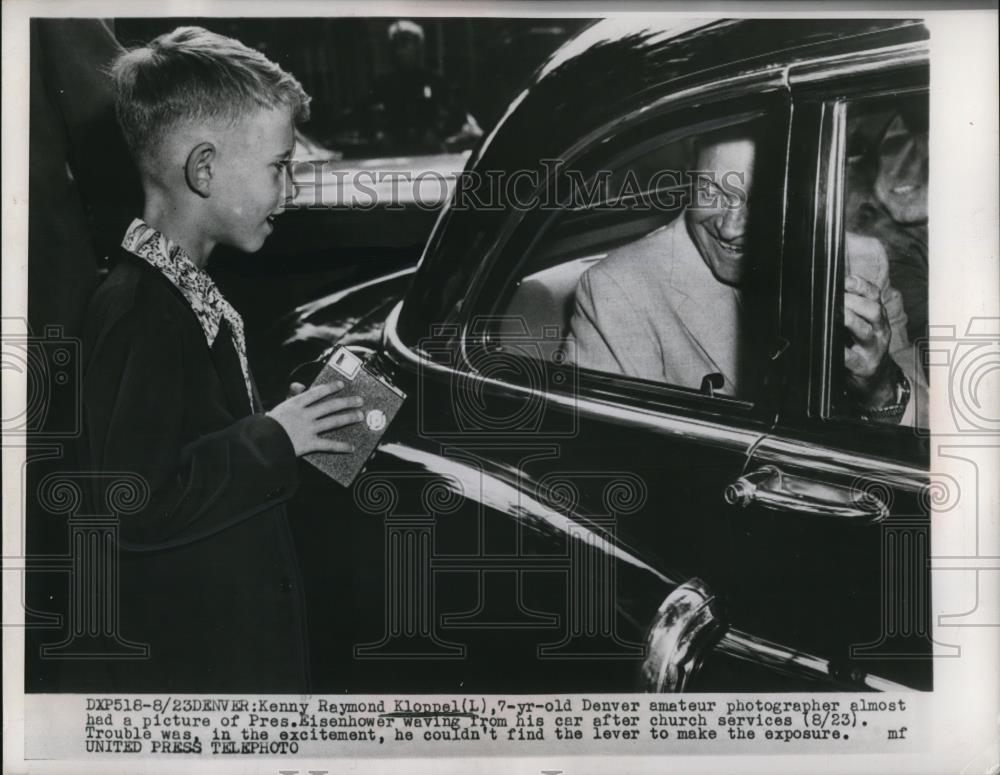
382,401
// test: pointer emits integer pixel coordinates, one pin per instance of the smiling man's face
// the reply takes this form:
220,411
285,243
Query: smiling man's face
719,229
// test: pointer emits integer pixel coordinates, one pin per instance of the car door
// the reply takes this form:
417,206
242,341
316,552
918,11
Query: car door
639,467
834,506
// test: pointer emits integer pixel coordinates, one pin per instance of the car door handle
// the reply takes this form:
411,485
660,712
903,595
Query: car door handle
771,488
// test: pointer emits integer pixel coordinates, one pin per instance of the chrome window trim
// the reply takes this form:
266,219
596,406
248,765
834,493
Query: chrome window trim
832,218
765,448
716,434
859,63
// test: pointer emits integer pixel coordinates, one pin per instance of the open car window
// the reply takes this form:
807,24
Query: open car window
659,267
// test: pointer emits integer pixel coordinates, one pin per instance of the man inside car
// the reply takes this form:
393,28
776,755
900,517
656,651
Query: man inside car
673,307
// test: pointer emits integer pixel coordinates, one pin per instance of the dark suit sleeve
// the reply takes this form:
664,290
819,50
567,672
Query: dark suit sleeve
136,392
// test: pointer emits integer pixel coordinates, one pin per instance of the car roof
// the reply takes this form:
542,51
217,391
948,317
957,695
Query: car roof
610,69
624,62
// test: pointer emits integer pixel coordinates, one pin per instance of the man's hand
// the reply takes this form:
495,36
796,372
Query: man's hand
869,367
308,413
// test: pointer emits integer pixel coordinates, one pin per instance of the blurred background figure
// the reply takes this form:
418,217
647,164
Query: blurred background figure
414,110
887,180
364,81
81,176
82,189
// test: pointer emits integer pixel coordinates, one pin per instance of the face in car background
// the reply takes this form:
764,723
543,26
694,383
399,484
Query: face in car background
901,182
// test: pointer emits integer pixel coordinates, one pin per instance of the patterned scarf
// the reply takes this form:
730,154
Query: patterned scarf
208,303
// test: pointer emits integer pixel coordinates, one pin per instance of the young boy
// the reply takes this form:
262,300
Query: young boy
208,575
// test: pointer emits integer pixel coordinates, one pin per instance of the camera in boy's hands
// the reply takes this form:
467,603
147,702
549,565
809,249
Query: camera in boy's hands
307,414
382,400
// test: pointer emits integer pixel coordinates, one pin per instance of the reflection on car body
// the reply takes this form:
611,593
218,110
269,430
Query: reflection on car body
528,525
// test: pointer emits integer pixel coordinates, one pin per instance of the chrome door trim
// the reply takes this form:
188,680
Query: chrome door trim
790,454
781,659
716,434
771,488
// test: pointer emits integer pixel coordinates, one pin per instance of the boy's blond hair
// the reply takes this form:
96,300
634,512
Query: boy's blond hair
192,74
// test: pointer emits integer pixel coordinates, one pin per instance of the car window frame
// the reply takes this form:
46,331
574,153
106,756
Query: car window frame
759,93
820,95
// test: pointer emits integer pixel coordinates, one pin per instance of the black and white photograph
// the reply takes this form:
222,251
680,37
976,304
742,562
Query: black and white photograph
473,383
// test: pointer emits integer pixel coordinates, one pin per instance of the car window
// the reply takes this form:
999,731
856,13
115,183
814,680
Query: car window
659,264
883,161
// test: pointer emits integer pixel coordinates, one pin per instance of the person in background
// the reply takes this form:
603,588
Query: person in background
887,200
79,202
81,185
413,109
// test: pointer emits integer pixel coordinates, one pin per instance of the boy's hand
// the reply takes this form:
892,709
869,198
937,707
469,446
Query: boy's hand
308,413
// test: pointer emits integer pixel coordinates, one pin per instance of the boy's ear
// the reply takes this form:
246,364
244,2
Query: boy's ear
198,169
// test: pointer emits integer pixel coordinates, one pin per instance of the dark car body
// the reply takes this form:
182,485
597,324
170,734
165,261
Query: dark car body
527,527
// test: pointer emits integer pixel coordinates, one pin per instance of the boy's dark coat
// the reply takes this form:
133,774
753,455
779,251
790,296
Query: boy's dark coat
209,577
